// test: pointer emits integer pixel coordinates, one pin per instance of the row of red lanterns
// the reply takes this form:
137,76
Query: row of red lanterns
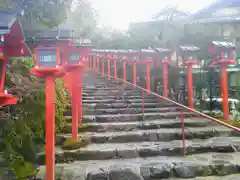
221,54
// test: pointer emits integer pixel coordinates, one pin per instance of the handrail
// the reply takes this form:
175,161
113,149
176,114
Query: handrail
178,104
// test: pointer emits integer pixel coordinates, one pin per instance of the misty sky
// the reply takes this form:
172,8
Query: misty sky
119,13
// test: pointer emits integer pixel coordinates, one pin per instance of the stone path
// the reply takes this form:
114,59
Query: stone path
127,144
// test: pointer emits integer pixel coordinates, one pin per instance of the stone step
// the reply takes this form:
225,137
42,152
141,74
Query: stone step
226,177
102,89
112,93
125,105
144,125
149,149
131,110
153,168
110,97
105,100
163,134
134,117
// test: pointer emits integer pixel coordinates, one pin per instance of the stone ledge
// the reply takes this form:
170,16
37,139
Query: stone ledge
164,134
149,149
142,125
132,110
134,117
211,164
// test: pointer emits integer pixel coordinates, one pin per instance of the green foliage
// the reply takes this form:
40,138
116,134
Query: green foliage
25,129
40,13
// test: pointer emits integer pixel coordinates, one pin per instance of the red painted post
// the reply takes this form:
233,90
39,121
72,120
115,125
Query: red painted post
115,69
109,66
190,86
134,74
50,127
80,111
143,103
98,65
90,62
75,100
165,79
148,78
183,134
224,91
103,70
124,72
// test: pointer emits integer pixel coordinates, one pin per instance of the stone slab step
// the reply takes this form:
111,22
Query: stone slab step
105,100
94,89
163,134
112,93
149,149
144,125
91,111
132,110
227,177
132,105
114,97
153,168
134,117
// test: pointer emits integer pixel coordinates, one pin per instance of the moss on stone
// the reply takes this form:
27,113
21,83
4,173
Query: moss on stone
236,123
83,127
70,144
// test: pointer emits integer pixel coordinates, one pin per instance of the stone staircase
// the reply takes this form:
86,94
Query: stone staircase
127,144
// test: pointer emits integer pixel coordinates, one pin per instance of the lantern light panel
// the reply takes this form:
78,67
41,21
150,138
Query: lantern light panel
73,58
47,58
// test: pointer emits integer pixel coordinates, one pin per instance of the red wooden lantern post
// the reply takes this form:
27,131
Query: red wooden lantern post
223,56
115,58
124,66
147,55
135,57
48,66
189,54
74,66
85,48
164,56
109,63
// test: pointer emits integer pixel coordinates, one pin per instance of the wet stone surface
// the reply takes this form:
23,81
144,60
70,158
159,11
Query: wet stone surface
127,145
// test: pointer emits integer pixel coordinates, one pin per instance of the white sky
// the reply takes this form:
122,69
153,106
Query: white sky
119,13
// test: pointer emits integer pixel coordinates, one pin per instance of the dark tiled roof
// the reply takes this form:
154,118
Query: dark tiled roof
189,48
7,19
52,34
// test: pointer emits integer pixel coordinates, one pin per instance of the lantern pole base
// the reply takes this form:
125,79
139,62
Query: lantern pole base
75,75
224,85
7,99
49,74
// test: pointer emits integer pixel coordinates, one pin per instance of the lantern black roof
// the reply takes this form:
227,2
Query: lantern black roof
189,48
163,50
147,50
133,51
223,44
8,18
54,34
82,42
